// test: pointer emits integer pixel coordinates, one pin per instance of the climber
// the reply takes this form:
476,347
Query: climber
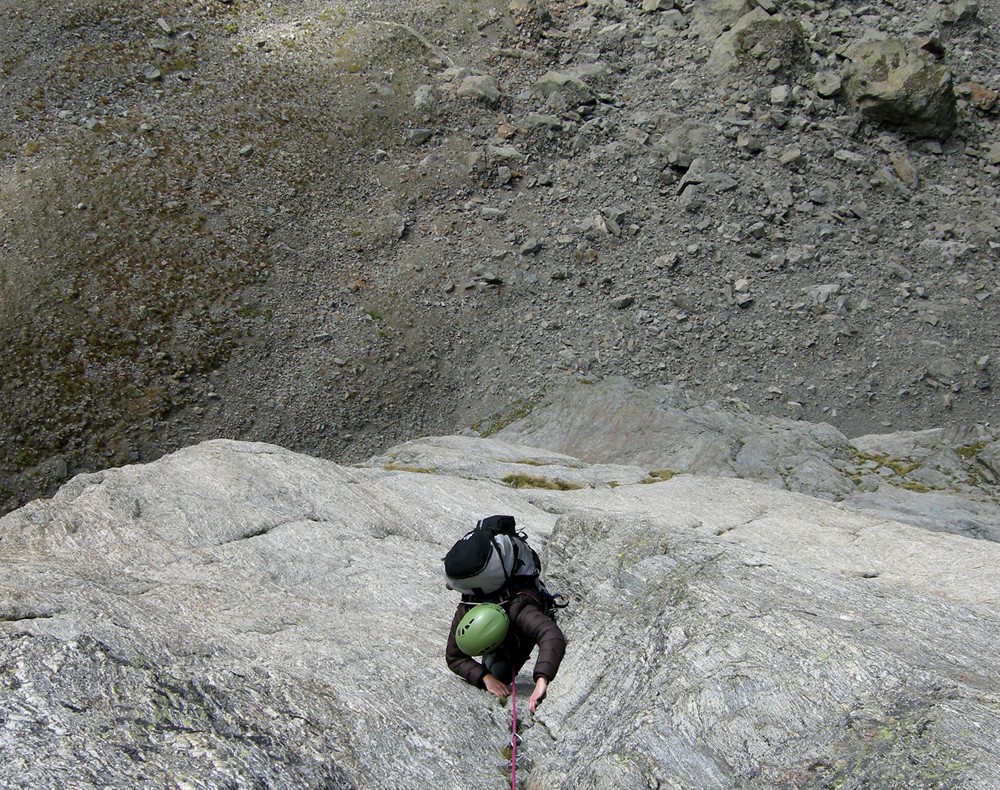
505,611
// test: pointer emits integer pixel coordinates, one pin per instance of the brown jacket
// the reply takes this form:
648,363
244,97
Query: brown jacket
529,626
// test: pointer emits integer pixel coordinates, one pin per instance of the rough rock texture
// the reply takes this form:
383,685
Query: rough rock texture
898,83
236,614
762,42
939,479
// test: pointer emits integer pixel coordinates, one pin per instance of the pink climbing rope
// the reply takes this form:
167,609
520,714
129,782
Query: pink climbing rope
513,731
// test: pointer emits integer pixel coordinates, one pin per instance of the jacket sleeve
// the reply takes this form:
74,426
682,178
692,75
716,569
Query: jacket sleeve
470,670
541,629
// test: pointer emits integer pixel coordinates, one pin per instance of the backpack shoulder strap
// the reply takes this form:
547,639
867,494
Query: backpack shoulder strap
503,565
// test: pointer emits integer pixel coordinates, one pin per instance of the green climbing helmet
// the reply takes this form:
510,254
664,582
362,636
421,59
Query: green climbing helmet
482,630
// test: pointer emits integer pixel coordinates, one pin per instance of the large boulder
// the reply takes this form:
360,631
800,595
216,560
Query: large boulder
238,615
759,42
563,87
481,88
938,479
898,83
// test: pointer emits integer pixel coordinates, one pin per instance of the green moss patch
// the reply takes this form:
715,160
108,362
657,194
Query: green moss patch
528,481
659,475
403,468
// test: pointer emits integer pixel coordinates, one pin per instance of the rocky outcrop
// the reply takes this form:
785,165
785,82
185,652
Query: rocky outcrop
937,479
900,83
562,89
237,614
761,42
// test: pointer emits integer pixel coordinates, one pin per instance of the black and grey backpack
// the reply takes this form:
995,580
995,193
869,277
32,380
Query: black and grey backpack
494,561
